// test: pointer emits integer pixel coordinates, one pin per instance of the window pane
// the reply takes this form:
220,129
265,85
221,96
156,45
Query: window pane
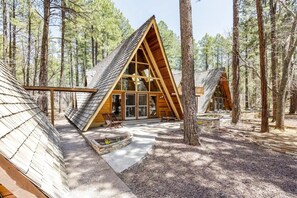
143,70
130,112
128,83
153,85
142,99
130,99
142,84
130,69
142,111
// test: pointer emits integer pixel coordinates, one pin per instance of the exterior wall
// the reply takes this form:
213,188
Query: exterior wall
162,104
107,107
99,120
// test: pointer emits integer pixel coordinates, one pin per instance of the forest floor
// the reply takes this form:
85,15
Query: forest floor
226,165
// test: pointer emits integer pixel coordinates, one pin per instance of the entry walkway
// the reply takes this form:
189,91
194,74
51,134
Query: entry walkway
88,174
144,134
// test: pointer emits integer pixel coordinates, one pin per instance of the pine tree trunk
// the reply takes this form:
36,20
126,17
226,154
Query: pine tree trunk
288,52
13,63
71,65
189,102
84,76
36,57
274,59
4,29
246,78
61,81
293,103
262,47
43,78
93,47
96,53
76,64
235,64
293,98
29,44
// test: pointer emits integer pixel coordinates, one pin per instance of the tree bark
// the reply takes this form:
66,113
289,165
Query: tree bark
96,53
76,64
189,102
293,98
29,44
61,81
288,52
71,65
43,78
246,77
13,63
4,29
36,57
235,64
262,47
84,76
93,47
274,58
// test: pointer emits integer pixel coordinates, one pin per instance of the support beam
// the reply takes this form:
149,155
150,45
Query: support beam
60,89
64,89
52,107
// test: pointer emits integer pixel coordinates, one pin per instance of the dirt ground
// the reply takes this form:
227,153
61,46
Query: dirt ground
224,166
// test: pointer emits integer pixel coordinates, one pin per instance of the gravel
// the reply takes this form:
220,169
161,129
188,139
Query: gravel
223,166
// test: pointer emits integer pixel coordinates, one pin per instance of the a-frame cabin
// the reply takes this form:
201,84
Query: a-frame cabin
133,82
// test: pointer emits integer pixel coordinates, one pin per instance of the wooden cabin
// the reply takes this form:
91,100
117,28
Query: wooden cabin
212,90
31,160
133,82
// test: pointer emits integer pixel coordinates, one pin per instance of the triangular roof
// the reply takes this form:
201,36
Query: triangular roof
28,140
109,70
208,80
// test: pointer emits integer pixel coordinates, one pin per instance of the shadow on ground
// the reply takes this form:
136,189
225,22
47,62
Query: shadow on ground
222,167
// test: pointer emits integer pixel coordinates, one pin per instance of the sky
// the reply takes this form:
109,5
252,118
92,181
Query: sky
209,16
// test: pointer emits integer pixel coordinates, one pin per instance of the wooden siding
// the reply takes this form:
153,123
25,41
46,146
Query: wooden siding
5,193
106,108
162,104
156,49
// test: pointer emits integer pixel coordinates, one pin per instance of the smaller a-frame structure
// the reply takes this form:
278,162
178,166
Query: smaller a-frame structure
133,82
215,94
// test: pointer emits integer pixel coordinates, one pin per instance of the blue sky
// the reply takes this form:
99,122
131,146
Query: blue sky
209,16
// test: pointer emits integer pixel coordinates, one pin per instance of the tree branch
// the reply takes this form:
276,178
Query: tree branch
248,65
287,8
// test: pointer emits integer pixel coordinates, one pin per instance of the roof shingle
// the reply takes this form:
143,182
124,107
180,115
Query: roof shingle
28,140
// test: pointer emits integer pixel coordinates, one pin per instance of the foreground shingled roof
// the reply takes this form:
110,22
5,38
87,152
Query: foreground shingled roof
106,72
28,140
207,79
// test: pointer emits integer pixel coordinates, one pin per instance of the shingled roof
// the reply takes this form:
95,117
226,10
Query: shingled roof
106,72
207,79
28,140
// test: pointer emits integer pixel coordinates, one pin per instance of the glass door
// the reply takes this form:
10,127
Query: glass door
117,105
130,106
153,106
142,106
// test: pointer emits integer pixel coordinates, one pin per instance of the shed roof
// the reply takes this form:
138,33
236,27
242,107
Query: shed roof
28,140
208,79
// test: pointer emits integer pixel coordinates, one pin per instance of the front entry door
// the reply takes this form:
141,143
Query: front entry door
130,106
